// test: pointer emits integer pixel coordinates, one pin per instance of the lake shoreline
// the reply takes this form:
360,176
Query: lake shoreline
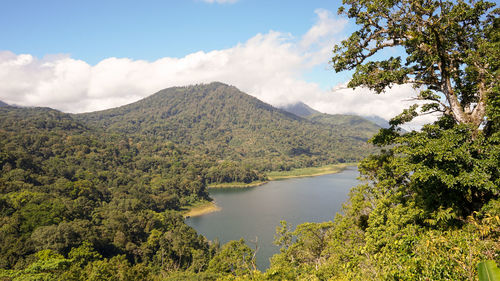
236,184
283,175
310,172
208,207
255,212
202,208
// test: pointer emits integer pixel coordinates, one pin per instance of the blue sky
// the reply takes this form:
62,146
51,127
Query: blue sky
149,30
79,56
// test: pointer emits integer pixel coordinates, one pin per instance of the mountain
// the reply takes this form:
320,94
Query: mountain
353,124
2,104
108,187
378,120
349,124
300,109
220,121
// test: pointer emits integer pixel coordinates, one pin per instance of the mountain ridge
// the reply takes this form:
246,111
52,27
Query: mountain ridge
222,121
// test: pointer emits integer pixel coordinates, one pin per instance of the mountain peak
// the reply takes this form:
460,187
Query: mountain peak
300,109
225,122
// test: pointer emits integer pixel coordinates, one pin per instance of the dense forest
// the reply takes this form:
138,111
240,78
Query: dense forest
99,196
430,206
71,196
93,198
223,123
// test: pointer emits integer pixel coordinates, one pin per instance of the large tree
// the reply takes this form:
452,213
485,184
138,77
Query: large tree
452,52
430,205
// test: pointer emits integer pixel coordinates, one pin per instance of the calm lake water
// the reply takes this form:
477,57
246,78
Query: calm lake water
256,211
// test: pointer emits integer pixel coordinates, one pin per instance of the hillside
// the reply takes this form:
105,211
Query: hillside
66,186
220,121
2,104
80,191
378,120
349,124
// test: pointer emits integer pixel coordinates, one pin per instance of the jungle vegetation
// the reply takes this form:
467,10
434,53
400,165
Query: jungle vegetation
97,196
430,207
93,198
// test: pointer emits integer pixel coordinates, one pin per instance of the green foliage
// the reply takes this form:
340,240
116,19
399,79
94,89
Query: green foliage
218,122
81,203
84,202
430,207
455,76
235,258
488,271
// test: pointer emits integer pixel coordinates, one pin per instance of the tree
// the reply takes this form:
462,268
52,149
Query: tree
234,258
439,185
452,53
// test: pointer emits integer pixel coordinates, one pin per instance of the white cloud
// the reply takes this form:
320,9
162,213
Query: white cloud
317,43
268,66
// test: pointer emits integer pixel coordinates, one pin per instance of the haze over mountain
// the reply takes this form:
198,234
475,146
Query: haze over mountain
348,123
220,120
381,122
300,109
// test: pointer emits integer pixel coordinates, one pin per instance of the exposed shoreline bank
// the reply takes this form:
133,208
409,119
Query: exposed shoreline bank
237,184
295,173
309,172
202,208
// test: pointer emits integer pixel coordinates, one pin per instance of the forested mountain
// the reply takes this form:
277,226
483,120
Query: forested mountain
86,195
378,120
220,121
349,124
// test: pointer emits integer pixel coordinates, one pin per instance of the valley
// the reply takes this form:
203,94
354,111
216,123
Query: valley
115,184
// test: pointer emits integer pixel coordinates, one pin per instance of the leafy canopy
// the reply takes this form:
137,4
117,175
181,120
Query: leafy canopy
452,53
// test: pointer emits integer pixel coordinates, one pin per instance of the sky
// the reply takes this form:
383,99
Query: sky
80,56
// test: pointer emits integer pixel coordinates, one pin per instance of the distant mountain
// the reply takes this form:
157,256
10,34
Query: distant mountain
351,124
2,104
220,121
300,109
378,120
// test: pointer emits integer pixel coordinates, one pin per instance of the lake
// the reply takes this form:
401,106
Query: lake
256,211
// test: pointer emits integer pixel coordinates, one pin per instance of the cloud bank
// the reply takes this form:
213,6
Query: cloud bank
268,66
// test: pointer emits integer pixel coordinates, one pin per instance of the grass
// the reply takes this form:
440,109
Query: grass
309,172
201,208
236,184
